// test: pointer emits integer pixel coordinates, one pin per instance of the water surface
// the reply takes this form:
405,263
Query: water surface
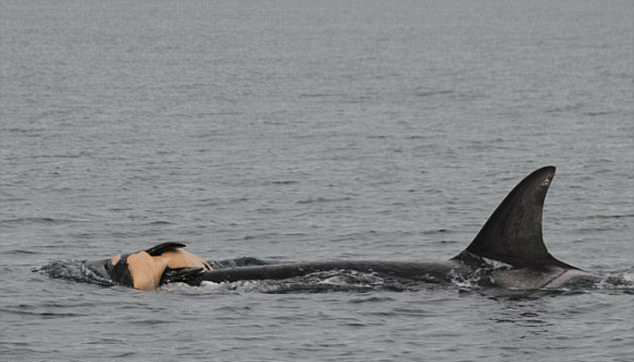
301,130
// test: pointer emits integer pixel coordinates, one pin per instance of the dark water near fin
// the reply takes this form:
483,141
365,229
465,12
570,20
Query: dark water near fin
310,130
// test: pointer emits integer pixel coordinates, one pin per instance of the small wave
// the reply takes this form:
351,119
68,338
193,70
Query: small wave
37,220
29,220
446,242
284,182
373,299
21,252
160,222
605,217
622,280
411,312
259,236
45,315
469,282
321,95
243,285
273,237
7,197
323,200
124,355
430,93
565,108
152,322
24,130
73,270
598,113
435,231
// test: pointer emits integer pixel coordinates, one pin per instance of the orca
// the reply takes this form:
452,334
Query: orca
148,269
508,252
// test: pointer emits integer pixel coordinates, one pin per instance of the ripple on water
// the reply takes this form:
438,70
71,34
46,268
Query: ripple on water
26,311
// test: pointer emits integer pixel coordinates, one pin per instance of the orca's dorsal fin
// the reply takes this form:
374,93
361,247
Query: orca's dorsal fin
163,247
513,233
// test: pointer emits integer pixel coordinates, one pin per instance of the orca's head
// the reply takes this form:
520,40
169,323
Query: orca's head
145,269
115,269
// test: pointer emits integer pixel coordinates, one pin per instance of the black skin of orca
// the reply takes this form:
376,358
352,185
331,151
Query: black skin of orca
512,235
418,271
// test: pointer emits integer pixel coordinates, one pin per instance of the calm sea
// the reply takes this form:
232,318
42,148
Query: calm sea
308,130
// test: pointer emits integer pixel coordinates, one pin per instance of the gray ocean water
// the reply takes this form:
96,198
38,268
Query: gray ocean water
305,130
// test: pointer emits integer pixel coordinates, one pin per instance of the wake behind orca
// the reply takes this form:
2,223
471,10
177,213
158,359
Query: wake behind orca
508,252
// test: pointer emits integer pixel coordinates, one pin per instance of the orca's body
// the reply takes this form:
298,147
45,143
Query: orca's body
420,271
512,236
